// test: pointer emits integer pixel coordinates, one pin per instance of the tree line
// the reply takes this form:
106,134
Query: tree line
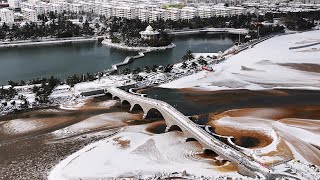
127,30
43,87
58,27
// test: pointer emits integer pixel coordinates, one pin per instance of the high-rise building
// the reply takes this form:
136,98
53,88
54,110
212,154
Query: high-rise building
29,14
188,13
14,4
6,16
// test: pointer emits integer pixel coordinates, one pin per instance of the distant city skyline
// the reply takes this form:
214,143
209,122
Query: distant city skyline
251,1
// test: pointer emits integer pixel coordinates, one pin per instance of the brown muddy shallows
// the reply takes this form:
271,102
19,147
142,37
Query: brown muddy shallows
32,158
282,150
54,118
229,167
308,67
305,113
122,143
277,113
158,127
247,141
32,155
212,158
225,96
140,121
257,139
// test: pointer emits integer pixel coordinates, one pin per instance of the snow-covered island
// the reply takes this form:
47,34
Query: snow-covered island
149,40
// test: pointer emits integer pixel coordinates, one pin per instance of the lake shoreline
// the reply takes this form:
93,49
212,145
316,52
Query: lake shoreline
50,41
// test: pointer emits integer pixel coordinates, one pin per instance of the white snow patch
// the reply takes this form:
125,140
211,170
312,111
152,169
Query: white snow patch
145,154
259,67
20,126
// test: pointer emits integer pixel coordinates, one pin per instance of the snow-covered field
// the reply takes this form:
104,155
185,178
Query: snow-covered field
270,64
135,152
20,126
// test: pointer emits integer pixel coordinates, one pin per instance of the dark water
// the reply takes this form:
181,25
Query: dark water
25,63
59,60
203,102
204,43
247,141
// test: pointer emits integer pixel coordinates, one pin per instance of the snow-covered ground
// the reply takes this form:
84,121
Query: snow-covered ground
298,137
270,64
133,153
20,126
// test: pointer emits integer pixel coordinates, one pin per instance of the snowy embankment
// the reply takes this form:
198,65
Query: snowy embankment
107,42
270,64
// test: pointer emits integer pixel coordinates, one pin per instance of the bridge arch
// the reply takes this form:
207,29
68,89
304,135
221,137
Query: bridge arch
174,128
136,108
191,139
115,98
153,113
209,151
125,103
108,95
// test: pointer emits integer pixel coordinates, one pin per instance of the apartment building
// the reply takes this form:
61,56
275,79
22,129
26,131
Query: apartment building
54,7
144,14
221,11
88,7
237,10
106,10
124,12
188,13
146,10
173,14
6,16
155,15
29,14
14,4
76,8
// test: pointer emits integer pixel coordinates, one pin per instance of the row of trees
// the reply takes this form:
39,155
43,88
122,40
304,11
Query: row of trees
7,93
43,87
57,28
188,57
72,80
43,91
147,69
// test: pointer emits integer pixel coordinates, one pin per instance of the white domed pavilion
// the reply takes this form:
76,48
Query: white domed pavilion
149,33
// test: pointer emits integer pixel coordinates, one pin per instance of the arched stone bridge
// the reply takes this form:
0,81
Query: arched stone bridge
176,120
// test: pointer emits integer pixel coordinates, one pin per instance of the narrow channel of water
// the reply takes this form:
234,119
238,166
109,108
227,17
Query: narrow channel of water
192,102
